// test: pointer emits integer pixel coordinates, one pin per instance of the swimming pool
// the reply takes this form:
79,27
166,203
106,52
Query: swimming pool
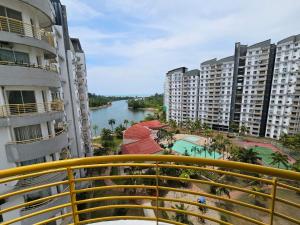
192,138
181,146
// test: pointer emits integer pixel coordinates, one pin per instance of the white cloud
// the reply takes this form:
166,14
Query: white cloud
79,10
184,34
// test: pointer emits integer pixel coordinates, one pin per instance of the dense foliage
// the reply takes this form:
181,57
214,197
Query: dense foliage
154,101
291,141
99,100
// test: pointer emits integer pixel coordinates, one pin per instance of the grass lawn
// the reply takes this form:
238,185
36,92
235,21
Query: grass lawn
265,154
116,143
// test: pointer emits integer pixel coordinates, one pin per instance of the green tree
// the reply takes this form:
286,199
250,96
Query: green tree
244,129
257,198
95,128
112,122
181,217
126,122
247,156
172,124
119,131
278,158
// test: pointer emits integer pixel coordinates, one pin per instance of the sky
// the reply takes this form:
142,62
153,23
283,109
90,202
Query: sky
131,44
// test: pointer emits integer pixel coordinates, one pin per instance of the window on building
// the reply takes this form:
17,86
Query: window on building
30,132
21,102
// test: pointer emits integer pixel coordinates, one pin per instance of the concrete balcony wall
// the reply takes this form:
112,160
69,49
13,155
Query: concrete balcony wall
27,76
44,6
29,41
34,118
23,152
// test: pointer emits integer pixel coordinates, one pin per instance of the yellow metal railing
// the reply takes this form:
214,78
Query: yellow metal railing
52,67
39,138
155,187
30,108
28,30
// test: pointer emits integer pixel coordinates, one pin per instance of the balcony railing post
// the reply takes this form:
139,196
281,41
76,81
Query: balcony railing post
273,200
157,192
73,195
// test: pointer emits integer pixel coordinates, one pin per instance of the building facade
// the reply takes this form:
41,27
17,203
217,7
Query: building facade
215,90
284,109
37,116
181,94
257,87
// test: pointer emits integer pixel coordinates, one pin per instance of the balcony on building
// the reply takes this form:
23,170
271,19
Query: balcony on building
155,197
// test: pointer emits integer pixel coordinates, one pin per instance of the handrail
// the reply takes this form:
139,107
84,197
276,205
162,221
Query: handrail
28,30
30,108
40,138
51,68
272,178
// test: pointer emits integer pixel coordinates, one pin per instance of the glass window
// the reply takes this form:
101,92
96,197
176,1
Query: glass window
21,102
22,58
6,56
28,132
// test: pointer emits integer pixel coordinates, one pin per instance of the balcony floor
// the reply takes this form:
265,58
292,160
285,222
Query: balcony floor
129,222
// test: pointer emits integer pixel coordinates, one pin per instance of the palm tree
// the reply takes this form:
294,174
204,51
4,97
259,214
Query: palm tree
244,129
112,122
126,122
181,217
278,158
256,198
248,156
194,150
173,124
95,128
205,148
223,190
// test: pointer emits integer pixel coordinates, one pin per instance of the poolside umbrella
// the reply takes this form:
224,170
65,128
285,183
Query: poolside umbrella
202,200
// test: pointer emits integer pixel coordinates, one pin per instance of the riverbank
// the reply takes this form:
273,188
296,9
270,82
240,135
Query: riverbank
101,106
146,109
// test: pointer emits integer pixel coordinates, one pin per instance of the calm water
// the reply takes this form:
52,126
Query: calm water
118,111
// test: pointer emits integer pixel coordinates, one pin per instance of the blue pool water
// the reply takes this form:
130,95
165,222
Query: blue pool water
181,146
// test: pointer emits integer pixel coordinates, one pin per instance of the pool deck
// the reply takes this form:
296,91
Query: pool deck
201,140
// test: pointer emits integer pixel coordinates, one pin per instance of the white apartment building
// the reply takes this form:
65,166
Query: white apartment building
37,96
181,94
256,87
284,109
249,89
215,91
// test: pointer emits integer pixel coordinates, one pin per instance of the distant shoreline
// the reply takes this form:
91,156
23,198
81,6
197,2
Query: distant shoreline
101,106
146,109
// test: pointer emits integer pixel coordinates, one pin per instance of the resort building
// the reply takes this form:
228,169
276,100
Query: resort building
181,94
284,109
256,87
37,110
140,138
241,90
215,91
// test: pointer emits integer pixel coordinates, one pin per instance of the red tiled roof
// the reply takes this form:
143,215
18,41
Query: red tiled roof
145,146
137,132
153,124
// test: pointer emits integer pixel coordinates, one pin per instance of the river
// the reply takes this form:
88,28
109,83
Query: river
118,111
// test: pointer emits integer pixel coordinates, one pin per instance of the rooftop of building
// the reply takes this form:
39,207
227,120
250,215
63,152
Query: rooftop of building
179,69
261,44
137,132
153,124
143,146
194,72
293,38
76,45
208,62
226,59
